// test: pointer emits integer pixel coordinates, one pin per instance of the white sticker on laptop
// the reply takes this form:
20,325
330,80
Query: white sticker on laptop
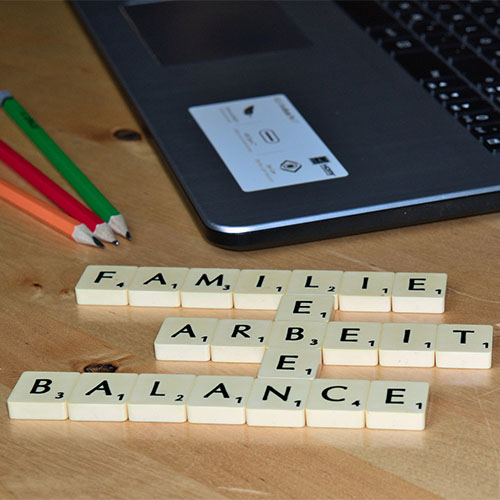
266,143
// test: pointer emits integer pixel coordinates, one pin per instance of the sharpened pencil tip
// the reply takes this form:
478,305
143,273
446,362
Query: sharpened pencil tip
128,236
4,94
116,242
99,243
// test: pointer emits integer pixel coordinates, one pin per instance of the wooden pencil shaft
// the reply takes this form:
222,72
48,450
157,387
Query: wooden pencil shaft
80,182
48,187
39,209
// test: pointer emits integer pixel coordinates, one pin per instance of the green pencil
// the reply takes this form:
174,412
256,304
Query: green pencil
80,182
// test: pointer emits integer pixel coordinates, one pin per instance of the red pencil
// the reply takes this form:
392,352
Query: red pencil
56,194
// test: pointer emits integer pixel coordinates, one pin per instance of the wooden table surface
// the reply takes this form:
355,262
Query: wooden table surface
49,64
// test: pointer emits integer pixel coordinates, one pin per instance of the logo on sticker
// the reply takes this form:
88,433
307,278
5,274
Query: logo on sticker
319,159
269,136
327,169
290,166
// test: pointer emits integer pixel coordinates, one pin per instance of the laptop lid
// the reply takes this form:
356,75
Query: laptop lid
284,122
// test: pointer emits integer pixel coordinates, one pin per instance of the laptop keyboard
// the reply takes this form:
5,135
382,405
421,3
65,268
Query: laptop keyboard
451,48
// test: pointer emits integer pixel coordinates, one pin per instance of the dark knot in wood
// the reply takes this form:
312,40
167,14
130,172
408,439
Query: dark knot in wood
125,134
100,368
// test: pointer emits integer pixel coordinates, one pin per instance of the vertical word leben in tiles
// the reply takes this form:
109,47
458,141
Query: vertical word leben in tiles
299,334
240,341
464,346
105,285
312,282
305,308
185,339
406,344
260,288
219,400
42,395
160,397
209,288
157,286
352,343
101,397
290,363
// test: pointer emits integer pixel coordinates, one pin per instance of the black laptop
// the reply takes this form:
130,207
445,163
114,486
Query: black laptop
293,121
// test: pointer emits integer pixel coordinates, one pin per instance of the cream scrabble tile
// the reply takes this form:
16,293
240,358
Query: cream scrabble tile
160,397
42,395
290,362
157,286
219,400
351,343
104,285
278,402
337,403
312,282
298,307
240,340
407,344
366,291
464,346
260,288
209,288
101,397
397,405
297,334
419,292
185,339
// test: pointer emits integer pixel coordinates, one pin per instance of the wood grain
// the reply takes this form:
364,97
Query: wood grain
48,62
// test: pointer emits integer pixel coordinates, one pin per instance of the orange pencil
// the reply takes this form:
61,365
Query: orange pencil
48,214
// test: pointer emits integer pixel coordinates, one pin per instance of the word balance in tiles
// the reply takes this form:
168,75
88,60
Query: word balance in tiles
214,399
265,289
